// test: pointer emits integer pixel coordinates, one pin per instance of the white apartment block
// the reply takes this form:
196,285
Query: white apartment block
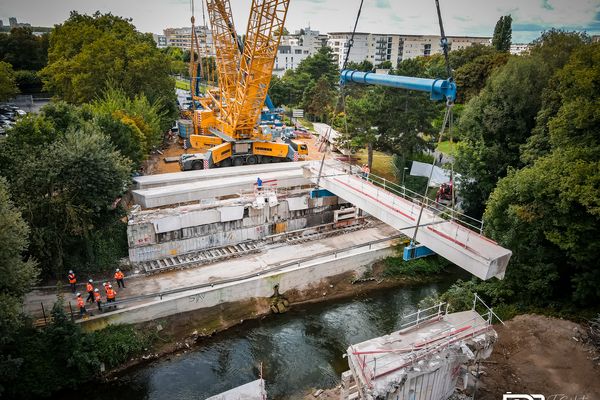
378,48
182,38
295,48
519,48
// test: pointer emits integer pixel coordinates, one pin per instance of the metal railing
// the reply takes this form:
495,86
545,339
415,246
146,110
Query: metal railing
332,254
438,209
376,367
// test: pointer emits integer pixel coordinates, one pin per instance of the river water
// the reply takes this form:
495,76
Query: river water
299,350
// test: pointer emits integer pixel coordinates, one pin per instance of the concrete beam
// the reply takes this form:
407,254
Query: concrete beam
468,249
215,187
187,177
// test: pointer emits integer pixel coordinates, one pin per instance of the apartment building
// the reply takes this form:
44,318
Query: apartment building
296,47
519,48
378,48
182,38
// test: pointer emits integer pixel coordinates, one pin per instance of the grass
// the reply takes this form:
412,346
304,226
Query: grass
382,164
447,148
306,123
180,84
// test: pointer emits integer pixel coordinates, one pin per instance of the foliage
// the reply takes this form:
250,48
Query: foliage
24,50
553,205
63,356
315,76
28,81
318,98
16,277
364,66
8,86
502,33
429,266
16,274
495,124
65,176
135,125
88,54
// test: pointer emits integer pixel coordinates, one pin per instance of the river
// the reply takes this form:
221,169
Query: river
299,350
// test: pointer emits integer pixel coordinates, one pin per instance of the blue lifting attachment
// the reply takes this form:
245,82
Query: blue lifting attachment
414,251
437,88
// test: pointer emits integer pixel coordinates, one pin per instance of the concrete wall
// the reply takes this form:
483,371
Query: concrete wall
298,277
145,243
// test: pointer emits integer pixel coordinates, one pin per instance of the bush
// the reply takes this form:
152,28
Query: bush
63,356
396,266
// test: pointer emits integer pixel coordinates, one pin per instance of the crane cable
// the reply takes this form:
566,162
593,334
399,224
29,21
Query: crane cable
341,104
448,119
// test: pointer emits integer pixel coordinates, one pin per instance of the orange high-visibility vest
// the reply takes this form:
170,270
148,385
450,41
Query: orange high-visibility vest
90,287
80,302
72,278
119,275
110,294
97,296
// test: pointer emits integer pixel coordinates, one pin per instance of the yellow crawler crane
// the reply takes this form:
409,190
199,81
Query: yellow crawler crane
231,135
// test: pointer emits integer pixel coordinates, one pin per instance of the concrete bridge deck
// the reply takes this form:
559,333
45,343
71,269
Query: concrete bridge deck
146,289
460,244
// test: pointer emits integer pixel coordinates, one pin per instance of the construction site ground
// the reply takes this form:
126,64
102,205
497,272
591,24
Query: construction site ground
272,255
534,355
156,164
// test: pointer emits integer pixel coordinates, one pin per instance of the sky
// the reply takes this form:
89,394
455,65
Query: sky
461,17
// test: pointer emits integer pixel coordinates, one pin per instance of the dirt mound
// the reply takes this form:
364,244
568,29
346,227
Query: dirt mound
537,354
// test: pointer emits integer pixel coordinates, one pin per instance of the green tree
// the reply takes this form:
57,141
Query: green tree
495,124
135,125
8,86
318,99
554,48
65,183
321,64
503,34
364,66
17,275
24,50
548,213
472,76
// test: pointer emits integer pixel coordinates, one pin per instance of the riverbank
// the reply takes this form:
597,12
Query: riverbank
534,354
179,334
300,349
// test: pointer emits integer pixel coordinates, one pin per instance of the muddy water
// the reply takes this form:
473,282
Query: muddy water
299,350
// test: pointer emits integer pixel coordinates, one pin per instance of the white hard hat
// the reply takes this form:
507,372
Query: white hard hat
78,294
70,271
110,286
118,269
95,290
90,281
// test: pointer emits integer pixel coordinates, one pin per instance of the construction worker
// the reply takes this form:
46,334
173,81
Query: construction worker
81,305
105,284
72,280
111,295
259,183
98,299
366,171
119,277
89,287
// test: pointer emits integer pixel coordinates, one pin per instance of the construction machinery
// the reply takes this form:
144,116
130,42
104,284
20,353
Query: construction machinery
226,126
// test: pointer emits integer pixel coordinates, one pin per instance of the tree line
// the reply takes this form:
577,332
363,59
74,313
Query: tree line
63,175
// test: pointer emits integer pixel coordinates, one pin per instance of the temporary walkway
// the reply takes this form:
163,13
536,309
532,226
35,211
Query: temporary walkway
440,229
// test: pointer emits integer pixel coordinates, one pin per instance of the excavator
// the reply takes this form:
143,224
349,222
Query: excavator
226,124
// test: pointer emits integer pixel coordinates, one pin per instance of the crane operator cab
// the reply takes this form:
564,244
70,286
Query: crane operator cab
298,146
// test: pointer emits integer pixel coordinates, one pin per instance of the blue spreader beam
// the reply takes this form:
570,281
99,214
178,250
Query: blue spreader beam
439,89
